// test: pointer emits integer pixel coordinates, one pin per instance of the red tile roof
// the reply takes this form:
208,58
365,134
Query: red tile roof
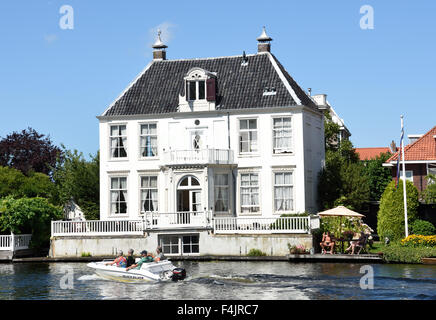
370,153
422,149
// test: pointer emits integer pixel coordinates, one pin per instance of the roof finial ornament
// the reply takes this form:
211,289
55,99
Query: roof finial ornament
264,44
264,37
159,44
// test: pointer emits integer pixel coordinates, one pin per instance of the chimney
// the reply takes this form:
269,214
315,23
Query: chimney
264,44
159,47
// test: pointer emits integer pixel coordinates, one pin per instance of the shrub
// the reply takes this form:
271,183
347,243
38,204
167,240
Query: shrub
29,215
256,253
422,227
86,254
390,217
398,253
419,241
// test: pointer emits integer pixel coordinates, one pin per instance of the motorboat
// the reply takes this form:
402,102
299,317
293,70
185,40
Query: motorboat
151,271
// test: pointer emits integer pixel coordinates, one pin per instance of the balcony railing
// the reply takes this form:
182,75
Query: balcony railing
262,225
156,220
201,156
183,220
15,242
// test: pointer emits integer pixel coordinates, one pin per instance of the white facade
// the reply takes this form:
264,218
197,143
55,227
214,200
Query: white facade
205,147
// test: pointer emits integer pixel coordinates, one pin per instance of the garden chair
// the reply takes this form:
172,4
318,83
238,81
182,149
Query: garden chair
362,245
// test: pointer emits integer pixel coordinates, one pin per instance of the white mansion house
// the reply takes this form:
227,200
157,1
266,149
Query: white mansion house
227,137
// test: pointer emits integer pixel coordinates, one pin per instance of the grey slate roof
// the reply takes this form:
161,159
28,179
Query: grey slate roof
157,90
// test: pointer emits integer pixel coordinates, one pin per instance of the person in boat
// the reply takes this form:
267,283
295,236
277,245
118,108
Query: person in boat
130,258
159,254
120,260
145,258
327,241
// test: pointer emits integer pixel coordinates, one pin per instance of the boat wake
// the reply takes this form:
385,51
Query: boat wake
90,277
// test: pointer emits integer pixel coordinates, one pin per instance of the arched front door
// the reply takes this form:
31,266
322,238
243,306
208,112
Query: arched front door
189,195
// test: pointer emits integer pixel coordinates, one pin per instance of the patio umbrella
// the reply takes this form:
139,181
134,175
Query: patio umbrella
340,211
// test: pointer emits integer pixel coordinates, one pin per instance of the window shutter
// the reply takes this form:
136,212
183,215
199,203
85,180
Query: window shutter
211,89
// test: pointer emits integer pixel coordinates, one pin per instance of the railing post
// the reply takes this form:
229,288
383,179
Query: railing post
12,242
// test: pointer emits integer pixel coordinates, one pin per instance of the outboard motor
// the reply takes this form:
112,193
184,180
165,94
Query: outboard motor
178,274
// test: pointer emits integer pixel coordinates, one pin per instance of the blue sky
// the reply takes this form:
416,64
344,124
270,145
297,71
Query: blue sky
57,81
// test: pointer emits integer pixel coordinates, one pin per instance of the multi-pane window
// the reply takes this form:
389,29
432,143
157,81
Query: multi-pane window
195,89
190,244
118,191
180,244
118,141
250,193
169,244
149,193
282,135
148,140
247,135
283,192
409,175
221,192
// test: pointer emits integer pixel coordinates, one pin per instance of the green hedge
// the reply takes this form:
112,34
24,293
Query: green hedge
390,217
396,253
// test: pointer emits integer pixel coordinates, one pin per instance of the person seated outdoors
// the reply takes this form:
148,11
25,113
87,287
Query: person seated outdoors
120,260
356,243
130,258
327,241
159,255
145,258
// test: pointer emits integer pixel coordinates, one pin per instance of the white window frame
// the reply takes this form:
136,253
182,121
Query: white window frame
197,89
286,150
241,187
225,187
407,178
125,146
141,189
179,244
143,137
292,185
248,130
113,214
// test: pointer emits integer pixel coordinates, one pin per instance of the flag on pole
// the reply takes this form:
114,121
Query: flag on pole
399,155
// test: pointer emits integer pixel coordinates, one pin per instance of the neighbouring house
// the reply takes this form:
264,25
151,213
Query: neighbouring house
420,159
324,105
371,153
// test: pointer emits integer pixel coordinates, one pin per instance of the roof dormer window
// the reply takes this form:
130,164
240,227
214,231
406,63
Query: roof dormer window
195,89
200,85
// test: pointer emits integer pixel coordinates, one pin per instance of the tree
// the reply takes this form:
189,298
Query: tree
390,217
331,132
78,180
14,183
379,176
28,151
429,194
29,215
342,181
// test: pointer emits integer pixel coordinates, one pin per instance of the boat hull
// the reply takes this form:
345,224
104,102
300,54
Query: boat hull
150,272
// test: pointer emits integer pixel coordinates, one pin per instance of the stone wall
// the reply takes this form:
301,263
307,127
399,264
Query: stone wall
209,244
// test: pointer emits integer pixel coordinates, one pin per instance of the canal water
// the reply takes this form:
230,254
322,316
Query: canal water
225,280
